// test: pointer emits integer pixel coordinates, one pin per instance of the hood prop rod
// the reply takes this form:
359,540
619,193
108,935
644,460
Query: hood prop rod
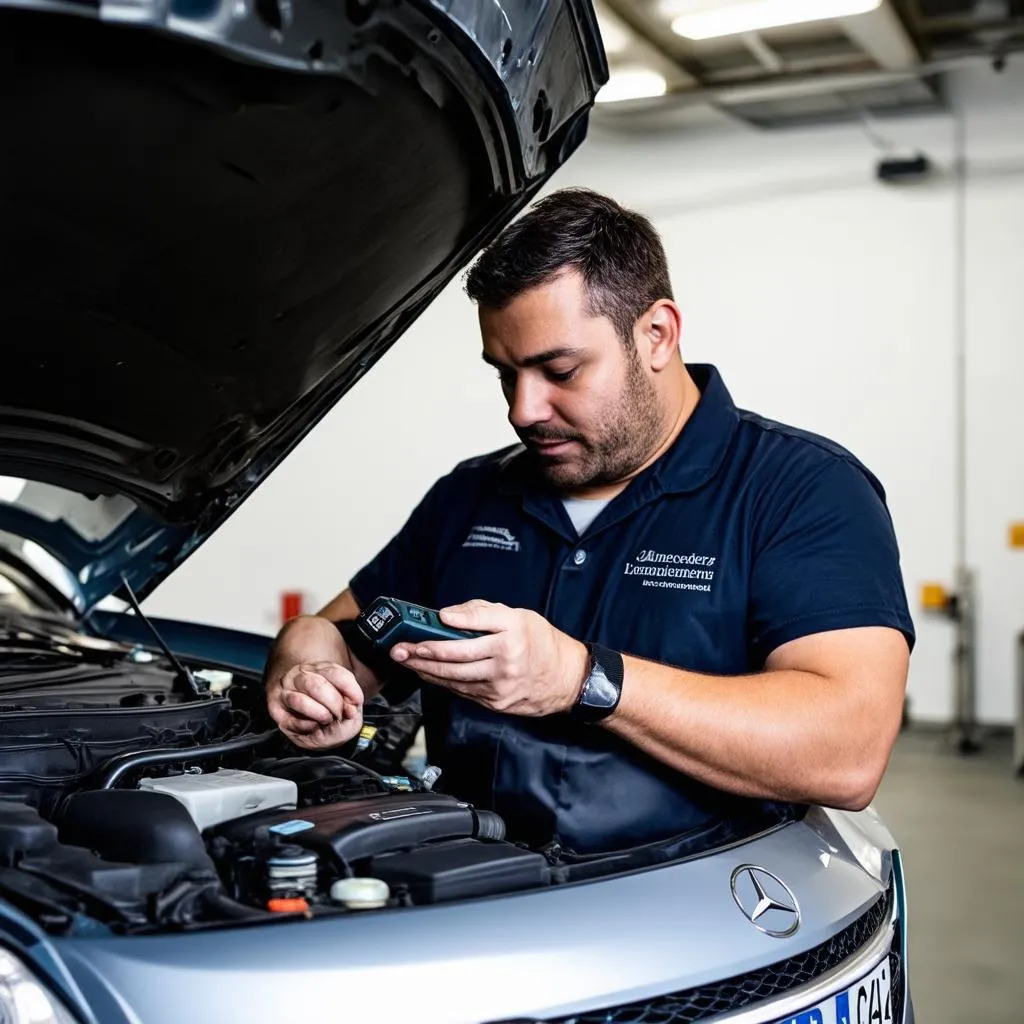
191,685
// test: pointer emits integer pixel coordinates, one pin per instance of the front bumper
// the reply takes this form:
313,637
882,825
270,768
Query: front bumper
785,991
567,952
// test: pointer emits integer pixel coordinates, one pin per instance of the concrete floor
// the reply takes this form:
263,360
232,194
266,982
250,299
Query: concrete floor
960,822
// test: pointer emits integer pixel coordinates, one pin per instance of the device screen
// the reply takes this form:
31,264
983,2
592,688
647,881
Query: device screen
380,617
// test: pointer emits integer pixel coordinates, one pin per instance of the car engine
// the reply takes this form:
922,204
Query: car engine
131,803
326,836
139,797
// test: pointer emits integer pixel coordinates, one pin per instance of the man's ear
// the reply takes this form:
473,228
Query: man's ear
663,325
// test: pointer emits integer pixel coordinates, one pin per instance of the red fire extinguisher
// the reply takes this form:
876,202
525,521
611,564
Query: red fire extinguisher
291,605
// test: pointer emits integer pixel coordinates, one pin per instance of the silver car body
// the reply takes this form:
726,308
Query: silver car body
585,949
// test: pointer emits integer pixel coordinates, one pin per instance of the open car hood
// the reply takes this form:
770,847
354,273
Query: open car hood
218,214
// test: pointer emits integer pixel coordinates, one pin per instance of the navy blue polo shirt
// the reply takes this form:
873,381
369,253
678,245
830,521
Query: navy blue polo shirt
744,535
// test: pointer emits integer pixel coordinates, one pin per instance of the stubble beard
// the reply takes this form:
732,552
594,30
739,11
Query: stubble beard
625,442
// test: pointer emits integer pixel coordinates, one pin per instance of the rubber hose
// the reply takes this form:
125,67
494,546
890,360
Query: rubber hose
489,825
111,771
223,904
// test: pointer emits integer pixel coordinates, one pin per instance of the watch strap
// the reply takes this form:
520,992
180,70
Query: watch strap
602,688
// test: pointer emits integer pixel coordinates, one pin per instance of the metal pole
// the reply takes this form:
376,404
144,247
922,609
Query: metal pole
965,736
960,333
965,726
1018,731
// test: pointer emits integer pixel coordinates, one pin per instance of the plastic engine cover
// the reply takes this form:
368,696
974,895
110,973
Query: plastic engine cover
461,870
354,830
225,794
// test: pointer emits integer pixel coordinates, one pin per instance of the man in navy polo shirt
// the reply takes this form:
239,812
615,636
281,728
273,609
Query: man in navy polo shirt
688,608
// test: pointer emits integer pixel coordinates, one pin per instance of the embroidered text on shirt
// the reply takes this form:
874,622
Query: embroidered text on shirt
495,537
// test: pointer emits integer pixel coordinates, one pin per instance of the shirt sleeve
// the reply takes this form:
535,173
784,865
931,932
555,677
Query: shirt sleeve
828,559
403,568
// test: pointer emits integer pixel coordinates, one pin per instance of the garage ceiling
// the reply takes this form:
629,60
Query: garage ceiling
731,59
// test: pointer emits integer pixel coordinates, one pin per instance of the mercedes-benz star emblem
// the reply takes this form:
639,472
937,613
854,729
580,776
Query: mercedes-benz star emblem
766,901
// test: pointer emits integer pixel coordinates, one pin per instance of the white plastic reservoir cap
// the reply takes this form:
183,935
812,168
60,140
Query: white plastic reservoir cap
360,893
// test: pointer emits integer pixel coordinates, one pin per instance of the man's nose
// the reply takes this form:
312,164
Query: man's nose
529,404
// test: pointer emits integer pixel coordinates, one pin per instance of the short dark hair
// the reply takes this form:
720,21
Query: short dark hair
616,251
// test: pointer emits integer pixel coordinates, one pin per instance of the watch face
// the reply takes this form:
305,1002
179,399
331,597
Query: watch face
602,687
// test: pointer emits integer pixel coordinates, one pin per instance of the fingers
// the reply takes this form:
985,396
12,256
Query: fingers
301,705
471,691
321,692
343,681
473,603
330,685
333,735
478,615
340,731
299,718
315,704
461,672
289,723
484,694
477,649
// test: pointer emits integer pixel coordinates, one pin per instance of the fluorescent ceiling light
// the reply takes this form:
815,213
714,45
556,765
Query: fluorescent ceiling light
632,83
709,20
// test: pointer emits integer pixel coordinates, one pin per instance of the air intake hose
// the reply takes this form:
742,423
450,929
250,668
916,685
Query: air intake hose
489,826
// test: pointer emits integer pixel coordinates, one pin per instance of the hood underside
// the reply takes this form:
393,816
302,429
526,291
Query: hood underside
218,215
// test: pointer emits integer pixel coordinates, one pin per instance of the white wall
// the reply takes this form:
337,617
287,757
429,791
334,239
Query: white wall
826,299
995,375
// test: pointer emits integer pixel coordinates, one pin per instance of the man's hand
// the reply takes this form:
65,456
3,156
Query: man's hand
317,705
315,687
524,666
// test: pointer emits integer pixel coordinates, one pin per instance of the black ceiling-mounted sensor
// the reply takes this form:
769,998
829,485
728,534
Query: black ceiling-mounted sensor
903,170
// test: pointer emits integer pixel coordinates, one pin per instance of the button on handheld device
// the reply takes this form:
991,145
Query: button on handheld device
387,621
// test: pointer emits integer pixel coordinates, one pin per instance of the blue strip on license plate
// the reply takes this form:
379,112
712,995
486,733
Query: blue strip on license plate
867,1001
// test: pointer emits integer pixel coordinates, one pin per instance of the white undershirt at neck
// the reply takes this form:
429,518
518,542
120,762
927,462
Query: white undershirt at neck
583,511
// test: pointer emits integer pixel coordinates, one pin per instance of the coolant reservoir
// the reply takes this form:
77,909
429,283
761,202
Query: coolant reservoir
223,795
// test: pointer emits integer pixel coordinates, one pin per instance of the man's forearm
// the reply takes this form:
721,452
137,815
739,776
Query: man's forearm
816,726
313,638
781,735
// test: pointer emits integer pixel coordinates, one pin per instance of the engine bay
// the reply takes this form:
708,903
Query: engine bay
133,801
140,796
333,837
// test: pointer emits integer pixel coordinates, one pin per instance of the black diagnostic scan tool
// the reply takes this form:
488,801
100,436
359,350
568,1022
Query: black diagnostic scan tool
388,621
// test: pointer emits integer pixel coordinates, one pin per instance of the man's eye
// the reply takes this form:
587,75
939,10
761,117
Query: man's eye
565,377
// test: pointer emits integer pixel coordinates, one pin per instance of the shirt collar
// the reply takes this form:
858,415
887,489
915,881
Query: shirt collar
699,451
694,458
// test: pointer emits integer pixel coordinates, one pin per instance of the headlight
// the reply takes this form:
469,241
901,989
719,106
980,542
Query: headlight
23,1000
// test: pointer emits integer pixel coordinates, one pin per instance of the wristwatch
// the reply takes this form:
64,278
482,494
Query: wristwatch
602,688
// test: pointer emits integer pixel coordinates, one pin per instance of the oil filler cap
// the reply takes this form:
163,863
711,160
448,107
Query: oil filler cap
287,905
360,893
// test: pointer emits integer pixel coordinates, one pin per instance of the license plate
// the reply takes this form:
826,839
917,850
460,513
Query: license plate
868,1001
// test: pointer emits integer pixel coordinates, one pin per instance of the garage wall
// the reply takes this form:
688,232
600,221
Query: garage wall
995,374
826,299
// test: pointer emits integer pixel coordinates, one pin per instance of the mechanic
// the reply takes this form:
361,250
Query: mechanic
687,607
